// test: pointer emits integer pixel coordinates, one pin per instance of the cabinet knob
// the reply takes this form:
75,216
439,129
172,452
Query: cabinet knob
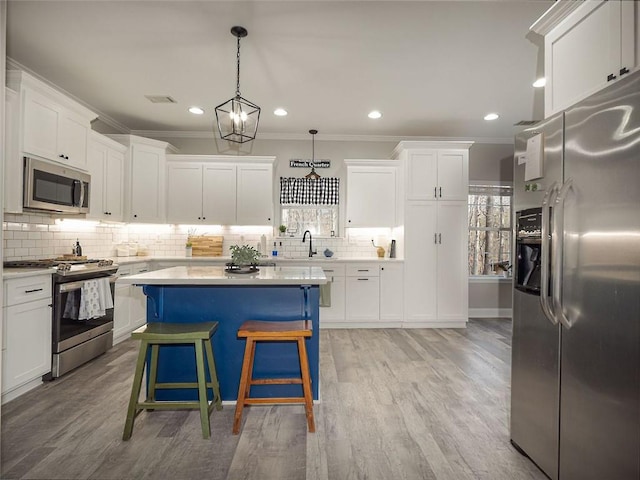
199,218
204,218
61,156
624,70
610,77
135,216
349,221
269,219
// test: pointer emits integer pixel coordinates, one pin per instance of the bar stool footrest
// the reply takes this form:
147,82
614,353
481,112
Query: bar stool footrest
276,381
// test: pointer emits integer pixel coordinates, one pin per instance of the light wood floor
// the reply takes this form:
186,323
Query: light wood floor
396,404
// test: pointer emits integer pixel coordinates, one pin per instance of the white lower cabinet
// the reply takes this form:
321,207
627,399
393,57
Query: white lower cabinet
391,294
26,336
130,304
436,279
363,293
334,314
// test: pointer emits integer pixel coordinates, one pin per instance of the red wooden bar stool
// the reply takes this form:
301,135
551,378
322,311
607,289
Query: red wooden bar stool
258,331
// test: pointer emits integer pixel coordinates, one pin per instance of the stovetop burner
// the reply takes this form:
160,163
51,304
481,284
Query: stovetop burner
65,266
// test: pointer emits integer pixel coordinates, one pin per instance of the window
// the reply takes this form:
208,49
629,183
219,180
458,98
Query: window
310,204
321,220
489,229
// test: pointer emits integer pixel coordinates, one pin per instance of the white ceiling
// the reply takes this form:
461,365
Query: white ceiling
433,68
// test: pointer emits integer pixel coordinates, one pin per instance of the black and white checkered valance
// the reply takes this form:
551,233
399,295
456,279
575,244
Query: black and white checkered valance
309,191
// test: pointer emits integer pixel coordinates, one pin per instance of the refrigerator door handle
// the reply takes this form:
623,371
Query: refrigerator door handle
547,308
558,233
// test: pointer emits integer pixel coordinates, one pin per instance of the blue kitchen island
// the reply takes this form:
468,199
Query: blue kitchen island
208,293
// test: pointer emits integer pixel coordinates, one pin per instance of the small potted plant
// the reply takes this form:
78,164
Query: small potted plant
244,257
283,229
188,246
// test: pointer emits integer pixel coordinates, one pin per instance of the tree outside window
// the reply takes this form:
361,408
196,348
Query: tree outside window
489,229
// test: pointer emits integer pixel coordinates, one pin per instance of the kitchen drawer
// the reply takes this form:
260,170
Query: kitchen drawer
363,270
331,270
27,289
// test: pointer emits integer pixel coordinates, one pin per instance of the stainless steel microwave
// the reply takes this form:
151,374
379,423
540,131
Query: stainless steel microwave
55,188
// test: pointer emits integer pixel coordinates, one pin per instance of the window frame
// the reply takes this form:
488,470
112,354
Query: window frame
476,190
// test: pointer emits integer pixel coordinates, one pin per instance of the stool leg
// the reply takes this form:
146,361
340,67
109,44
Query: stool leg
252,356
306,384
242,389
135,391
213,375
153,374
202,390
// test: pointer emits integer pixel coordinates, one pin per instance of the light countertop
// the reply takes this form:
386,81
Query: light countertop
279,259
215,275
26,272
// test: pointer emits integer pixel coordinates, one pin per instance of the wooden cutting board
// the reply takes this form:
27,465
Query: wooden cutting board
207,246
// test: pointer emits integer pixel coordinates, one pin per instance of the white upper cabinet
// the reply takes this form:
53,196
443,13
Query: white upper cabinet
105,162
13,160
144,178
220,190
52,125
371,193
219,193
184,192
587,46
435,170
254,194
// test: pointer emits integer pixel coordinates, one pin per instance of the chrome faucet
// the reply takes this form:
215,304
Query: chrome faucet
312,252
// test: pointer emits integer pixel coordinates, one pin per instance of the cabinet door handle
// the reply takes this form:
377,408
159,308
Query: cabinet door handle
435,238
610,77
34,290
364,270
440,192
439,238
435,192
624,70
363,279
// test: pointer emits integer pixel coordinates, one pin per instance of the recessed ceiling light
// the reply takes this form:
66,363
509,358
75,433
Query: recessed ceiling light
280,112
491,116
196,110
374,114
541,82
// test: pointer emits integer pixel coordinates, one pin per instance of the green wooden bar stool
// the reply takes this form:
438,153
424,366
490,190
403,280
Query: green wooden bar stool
155,334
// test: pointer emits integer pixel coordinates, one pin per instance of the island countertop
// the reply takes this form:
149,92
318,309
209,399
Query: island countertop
216,275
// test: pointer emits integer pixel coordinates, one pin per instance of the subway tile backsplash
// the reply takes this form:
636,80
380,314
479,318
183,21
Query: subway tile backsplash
31,236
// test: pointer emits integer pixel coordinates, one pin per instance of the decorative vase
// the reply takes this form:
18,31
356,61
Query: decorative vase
188,251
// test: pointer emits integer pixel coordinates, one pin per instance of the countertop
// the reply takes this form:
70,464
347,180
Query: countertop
215,275
280,259
25,272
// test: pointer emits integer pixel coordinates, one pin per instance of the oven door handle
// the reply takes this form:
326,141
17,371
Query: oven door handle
68,287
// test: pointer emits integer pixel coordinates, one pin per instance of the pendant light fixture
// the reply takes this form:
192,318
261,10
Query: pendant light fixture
312,174
237,118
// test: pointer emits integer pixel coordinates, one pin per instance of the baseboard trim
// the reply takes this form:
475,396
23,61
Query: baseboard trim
441,324
22,389
490,313
360,324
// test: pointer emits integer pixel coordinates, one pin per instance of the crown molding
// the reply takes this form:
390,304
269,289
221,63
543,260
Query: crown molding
324,137
554,15
103,117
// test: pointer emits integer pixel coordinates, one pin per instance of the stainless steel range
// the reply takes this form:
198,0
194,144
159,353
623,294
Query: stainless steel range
82,329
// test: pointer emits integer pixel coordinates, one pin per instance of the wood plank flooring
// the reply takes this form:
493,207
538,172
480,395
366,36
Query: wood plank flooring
395,404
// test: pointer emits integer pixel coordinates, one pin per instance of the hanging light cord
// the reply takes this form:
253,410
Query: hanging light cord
238,71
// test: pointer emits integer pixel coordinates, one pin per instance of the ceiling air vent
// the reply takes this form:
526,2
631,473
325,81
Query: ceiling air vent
525,123
160,99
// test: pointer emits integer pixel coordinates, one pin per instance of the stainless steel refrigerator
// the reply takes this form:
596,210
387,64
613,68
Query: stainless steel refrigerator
575,391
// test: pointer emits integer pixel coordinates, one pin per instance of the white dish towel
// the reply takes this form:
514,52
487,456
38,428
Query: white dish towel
95,298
